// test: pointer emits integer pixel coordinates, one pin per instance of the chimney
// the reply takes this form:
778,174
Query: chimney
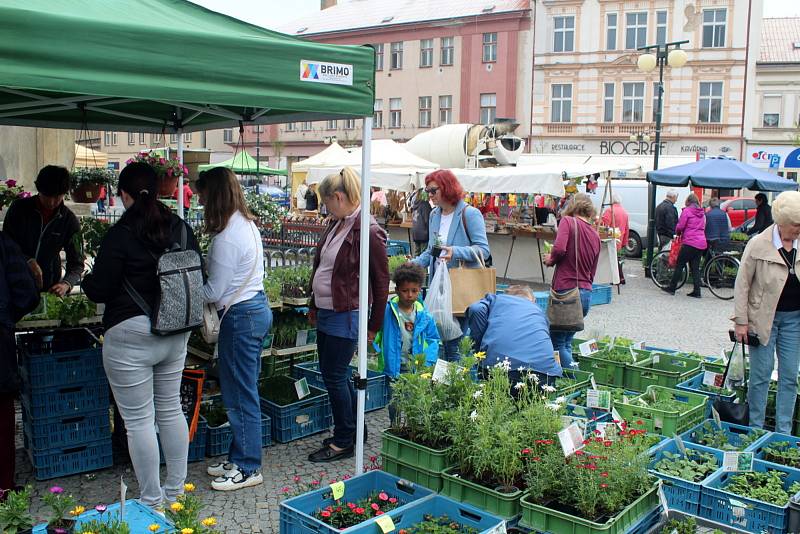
325,4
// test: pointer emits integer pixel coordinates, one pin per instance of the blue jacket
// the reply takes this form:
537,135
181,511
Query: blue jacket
457,237
516,328
717,225
389,341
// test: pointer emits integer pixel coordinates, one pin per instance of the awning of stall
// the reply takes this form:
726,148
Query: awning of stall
245,164
719,173
531,180
87,157
332,154
618,166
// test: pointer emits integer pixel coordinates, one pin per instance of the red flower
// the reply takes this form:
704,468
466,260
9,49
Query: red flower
603,485
382,496
597,432
639,422
359,511
351,505
315,482
591,467
607,443
616,421
579,453
536,458
604,474
587,441
392,500
598,440
325,513
285,489
526,451
375,506
296,478
373,459
338,508
378,513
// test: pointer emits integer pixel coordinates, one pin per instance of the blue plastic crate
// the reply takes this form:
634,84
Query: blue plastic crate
65,431
591,423
61,358
70,400
755,516
682,495
398,247
542,298
299,419
694,384
734,434
794,443
297,513
64,461
138,516
377,396
218,438
647,523
601,294
437,506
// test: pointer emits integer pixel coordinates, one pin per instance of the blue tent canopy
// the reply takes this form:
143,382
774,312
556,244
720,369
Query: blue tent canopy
718,173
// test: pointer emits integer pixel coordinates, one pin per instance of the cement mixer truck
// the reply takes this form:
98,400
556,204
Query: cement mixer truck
469,145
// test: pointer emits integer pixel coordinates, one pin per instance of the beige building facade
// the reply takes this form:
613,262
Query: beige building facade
23,151
590,97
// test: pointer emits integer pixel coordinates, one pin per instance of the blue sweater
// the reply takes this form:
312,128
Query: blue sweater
717,225
457,237
389,341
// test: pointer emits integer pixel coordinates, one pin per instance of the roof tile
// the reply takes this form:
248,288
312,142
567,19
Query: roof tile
780,40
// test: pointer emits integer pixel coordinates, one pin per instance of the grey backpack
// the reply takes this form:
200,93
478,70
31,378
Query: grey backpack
179,307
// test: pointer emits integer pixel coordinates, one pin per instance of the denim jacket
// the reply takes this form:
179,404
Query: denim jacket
463,246
389,340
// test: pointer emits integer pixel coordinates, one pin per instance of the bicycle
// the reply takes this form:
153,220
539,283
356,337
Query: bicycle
718,274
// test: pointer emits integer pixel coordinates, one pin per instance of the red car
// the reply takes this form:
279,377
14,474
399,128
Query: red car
739,209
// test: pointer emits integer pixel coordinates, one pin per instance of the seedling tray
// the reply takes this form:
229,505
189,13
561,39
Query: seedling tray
666,370
682,495
692,411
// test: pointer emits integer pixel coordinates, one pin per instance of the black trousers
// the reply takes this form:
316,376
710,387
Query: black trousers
692,256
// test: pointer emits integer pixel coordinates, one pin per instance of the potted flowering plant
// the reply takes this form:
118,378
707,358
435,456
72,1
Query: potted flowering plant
105,525
15,516
168,170
269,214
184,513
85,183
59,502
343,514
10,191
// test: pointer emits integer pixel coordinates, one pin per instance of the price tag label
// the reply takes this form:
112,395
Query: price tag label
662,497
589,347
710,378
302,389
606,430
735,461
337,488
715,415
656,358
679,443
440,371
123,492
616,417
594,384
598,398
301,338
639,345
385,523
571,439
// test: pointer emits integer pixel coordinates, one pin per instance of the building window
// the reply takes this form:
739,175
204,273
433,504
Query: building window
714,27
378,116
447,51
771,111
141,138
426,53
563,34
305,126
632,101
611,31
154,139
425,111
445,109
107,138
635,30
290,127
489,47
655,100
661,27
173,138
187,137
488,108
349,124
131,138
227,136
397,55
561,102
395,112
379,56
258,128
331,125
710,105
608,102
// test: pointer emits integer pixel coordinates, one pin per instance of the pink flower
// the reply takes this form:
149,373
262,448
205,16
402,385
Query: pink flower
315,482
56,490
169,173
11,183
100,508
375,506
392,500
325,513
382,496
162,161
296,478
129,161
378,513
359,511
24,194
285,489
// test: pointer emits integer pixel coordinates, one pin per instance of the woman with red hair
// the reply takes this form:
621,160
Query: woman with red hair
456,228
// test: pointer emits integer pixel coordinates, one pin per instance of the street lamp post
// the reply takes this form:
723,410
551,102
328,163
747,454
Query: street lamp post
647,63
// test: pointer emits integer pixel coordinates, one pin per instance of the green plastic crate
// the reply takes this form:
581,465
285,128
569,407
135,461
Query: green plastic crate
580,380
427,479
666,370
410,453
662,422
504,505
605,371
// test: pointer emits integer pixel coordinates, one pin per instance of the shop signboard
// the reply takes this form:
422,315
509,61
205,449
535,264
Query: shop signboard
773,156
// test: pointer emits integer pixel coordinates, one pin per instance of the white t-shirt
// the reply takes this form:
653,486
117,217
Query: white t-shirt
444,228
231,258
300,196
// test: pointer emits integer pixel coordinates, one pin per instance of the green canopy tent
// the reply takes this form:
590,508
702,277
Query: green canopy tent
244,163
173,66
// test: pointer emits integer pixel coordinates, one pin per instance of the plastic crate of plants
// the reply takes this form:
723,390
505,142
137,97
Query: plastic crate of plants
683,474
754,501
377,395
294,418
303,514
219,434
781,449
666,370
695,385
572,381
726,436
413,473
60,358
664,411
609,362
601,294
69,400
64,461
578,401
64,431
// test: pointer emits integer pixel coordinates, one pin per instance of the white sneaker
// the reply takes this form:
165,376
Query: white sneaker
221,469
235,480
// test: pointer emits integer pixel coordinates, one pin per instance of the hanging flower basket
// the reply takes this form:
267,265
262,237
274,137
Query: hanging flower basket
86,193
168,170
85,183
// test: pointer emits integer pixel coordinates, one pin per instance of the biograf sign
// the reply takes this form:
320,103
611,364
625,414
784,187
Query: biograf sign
781,157
322,72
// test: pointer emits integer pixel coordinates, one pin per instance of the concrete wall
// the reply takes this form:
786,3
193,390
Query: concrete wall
23,151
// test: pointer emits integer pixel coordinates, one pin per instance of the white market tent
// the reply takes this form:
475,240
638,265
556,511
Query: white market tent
576,165
532,180
330,156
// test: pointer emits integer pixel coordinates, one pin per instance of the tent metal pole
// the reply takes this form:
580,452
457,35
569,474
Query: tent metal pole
180,159
363,290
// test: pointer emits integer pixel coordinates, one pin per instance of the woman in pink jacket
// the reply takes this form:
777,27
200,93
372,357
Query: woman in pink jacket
692,229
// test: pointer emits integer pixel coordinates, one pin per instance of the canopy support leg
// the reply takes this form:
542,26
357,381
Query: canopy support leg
180,159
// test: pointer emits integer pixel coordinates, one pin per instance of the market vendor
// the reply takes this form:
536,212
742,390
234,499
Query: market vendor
42,226
513,326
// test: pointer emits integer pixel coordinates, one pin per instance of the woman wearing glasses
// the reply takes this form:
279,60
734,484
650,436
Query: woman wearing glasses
456,228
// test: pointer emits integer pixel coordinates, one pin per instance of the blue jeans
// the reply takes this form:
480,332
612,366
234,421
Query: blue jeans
450,347
335,354
562,341
241,337
785,339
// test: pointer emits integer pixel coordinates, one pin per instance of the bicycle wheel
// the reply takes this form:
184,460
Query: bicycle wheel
662,273
720,276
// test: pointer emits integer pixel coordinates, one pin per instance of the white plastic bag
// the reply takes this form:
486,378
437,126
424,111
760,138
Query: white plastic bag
736,366
439,302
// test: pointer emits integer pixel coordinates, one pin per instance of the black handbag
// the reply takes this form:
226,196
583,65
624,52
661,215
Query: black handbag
734,412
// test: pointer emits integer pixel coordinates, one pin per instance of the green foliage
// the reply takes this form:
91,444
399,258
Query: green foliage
59,503
394,263
111,525
295,282
685,526
660,399
344,514
615,353
431,524
739,236
76,307
215,413
272,288
15,511
93,175
763,486
285,328
784,453
268,212
90,236
10,191
711,436
694,467
185,513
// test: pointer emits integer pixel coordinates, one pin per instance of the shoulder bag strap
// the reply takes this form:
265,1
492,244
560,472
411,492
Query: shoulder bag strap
136,297
466,231
577,236
241,287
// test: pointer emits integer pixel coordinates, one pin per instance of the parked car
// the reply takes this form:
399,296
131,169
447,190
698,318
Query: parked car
739,209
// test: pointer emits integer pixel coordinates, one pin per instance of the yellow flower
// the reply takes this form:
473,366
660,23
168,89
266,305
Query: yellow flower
188,487
153,527
480,355
78,510
176,507
87,532
209,522
426,376
187,531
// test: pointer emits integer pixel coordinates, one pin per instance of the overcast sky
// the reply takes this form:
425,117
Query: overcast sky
274,13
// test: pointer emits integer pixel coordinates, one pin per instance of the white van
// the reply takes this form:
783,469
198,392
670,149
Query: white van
634,199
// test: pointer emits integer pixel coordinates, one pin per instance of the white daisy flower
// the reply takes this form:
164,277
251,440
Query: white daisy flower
473,415
560,400
547,388
574,364
519,385
554,407
477,394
